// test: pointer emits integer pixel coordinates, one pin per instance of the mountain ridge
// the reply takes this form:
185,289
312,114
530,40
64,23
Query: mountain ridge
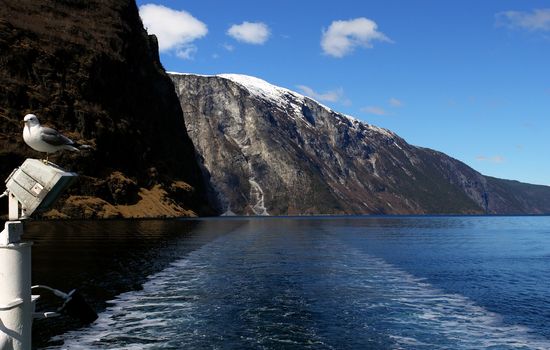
283,142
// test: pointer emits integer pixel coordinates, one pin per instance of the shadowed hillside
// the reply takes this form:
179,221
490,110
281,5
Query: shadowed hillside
89,69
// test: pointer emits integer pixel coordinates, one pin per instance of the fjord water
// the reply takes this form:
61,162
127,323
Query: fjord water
326,283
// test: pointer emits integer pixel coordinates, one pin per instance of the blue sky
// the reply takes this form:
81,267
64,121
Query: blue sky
468,78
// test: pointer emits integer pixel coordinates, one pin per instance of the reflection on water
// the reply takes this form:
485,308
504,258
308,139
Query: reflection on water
103,259
318,283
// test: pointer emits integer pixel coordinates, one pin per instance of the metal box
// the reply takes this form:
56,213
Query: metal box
37,185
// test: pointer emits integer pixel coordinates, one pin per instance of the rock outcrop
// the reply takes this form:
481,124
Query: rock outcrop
269,150
89,69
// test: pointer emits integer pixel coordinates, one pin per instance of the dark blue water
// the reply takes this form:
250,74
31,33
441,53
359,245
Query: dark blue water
341,283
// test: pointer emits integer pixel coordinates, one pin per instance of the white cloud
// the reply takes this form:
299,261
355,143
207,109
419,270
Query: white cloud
374,110
186,52
537,20
228,47
328,96
175,30
250,32
395,102
494,159
342,37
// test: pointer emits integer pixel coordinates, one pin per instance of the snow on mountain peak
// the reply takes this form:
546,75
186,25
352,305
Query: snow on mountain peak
278,94
282,97
253,83
262,88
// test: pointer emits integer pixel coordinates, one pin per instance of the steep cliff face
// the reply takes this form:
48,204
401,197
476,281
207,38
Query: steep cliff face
89,69
268,150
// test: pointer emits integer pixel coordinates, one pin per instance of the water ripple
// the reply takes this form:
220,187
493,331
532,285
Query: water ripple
273,287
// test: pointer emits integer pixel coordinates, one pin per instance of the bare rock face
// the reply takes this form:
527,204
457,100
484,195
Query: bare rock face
270,151
89,69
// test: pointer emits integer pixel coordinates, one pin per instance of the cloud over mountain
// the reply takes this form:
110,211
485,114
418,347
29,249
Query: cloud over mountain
175,30
374,110
494,159
342,37
256,33
328,96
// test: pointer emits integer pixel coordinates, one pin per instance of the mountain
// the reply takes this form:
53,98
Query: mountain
88,69
267,150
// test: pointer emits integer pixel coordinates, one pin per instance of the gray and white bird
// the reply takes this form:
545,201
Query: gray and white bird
47,140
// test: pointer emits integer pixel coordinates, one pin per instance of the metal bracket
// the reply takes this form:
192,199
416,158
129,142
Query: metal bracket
11,305
43,315
13,230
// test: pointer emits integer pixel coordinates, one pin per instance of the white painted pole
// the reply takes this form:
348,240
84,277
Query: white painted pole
27,187
16,307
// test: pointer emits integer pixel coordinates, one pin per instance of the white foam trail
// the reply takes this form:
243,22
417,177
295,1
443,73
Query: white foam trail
172,310
408,311
141,319
425,317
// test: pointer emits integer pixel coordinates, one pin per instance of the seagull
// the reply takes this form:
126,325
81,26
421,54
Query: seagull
47,140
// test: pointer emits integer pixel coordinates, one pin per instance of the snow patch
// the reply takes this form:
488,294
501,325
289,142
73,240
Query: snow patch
287,98
397,145
261,87
382,131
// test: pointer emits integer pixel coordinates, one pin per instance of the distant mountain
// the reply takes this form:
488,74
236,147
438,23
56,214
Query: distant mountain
269,150
89,69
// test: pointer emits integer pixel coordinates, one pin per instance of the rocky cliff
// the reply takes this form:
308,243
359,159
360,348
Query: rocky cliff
89,69
269,150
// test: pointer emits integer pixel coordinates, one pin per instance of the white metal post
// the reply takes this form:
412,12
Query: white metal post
16,307
32,186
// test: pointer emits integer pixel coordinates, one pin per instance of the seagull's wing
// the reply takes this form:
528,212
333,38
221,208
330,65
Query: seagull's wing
54,138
